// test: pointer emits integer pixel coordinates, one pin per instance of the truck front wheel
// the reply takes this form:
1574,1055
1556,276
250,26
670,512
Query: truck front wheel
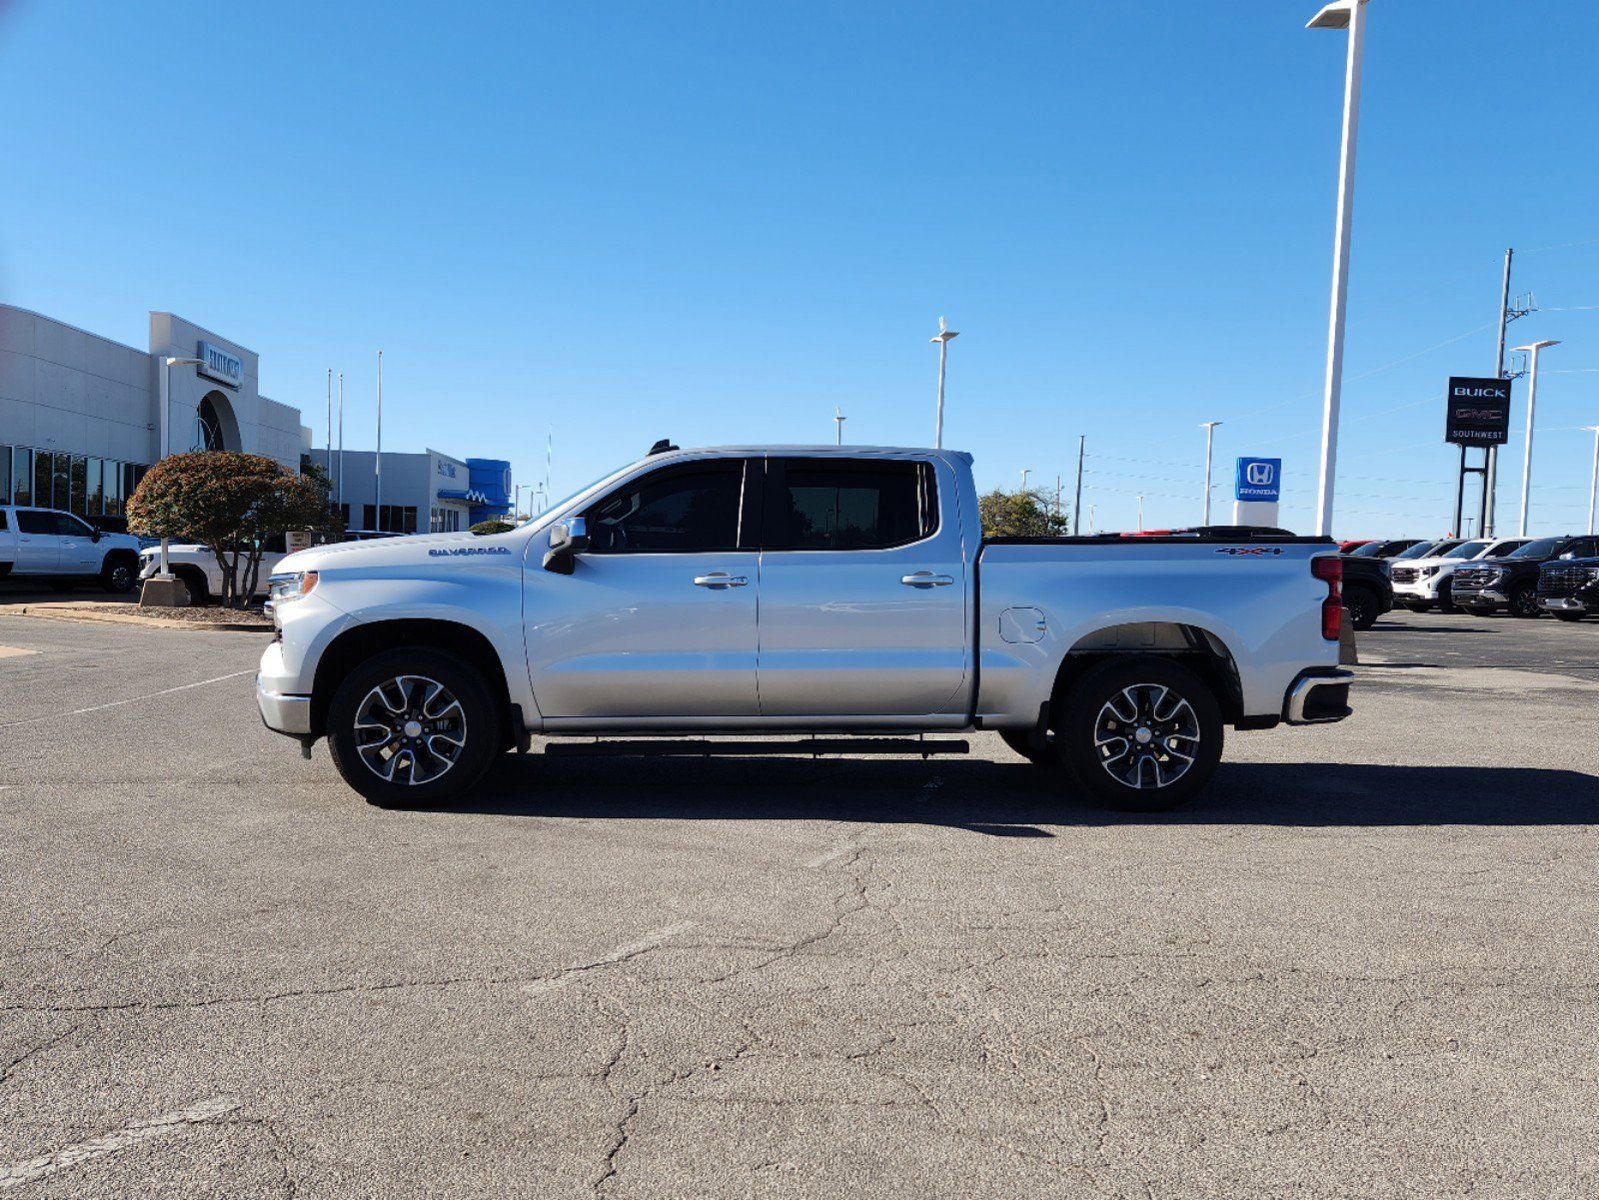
1142,733
412,726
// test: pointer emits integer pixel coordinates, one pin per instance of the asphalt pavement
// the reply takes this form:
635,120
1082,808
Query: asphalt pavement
1359,965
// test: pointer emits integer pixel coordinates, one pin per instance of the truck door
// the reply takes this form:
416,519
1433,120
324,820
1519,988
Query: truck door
38,549
863,590
657,619
80,553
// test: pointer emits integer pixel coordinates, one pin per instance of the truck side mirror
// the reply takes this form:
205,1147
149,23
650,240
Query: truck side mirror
568,539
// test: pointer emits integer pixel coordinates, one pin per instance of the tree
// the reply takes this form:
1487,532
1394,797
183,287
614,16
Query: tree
493,525
230,503
1019,514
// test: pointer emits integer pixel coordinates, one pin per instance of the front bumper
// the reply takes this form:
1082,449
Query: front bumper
290,715
1562,604
1421,589
1318,697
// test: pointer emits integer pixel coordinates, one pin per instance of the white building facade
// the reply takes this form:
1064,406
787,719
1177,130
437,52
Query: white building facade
82,417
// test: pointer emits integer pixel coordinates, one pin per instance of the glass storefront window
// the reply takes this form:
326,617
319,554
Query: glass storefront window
113,489
61,473
78,497
94,489
5,474
22,477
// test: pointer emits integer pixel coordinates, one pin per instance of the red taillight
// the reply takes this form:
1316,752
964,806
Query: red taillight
1330,569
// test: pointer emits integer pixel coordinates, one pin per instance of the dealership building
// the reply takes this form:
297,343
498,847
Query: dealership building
82,417
421,493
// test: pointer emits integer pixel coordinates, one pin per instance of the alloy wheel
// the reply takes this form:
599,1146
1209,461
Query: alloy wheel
1146,736
410,730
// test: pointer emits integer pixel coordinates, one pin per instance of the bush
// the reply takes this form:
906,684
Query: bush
230,503
484,528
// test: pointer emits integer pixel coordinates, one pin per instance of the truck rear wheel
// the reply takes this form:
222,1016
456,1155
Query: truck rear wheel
1142,733
413,726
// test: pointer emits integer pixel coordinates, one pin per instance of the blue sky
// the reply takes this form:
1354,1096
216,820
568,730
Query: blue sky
717,221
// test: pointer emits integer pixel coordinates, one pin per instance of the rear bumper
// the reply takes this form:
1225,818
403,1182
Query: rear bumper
1318,697
290,715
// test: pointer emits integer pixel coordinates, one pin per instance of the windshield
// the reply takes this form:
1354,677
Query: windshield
1420,550
543,517
1542,548
1369,550
1468,550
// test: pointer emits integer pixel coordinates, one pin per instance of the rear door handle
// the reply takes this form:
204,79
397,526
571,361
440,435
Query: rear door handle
720,579
926,579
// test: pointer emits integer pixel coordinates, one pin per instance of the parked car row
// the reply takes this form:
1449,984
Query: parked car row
1524,577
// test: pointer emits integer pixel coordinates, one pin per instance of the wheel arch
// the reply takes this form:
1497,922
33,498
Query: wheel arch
1201,650
360,642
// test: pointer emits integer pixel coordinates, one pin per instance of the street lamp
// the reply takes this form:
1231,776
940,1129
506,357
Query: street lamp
1350,15
838,420
1026,471
1532,403
166,440
1593,476
943,337
1210,434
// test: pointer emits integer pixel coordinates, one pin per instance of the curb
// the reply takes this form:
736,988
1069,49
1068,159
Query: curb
70,612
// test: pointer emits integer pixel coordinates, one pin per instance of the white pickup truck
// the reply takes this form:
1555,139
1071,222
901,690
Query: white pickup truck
196,567
841,591
64,551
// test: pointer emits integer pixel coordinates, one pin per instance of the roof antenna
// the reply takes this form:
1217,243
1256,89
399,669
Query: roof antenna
661,447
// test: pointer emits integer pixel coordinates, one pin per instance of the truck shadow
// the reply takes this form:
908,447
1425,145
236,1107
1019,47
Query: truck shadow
1006,799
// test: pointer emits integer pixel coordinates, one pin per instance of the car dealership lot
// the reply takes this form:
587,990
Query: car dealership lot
1358,965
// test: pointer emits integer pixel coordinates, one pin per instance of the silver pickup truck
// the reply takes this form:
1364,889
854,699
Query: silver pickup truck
842,594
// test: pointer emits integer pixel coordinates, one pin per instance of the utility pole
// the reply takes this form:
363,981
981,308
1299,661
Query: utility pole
377,459
1532,404
1091,510
1491,465
1350,15
330,421
943,337
1077,503
1210,435
1140,513
1593,477
838,420
341,443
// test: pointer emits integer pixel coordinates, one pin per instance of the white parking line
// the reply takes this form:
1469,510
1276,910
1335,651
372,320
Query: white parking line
78,712
110,1143
649,941
14,652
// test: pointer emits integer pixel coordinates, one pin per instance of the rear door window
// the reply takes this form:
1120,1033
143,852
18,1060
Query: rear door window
849,504
36,521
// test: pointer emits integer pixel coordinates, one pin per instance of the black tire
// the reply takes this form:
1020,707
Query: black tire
1361,603
479,726
1021,741
1524,602
1446,603
194,583
119,573
1101,773
1569,616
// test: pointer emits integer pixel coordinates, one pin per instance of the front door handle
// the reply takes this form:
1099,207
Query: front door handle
926,579
720,579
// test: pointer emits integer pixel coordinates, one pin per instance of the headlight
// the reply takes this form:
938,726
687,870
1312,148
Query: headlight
290,586
1428,572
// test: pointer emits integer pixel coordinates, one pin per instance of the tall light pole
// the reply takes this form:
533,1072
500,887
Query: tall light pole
1593,476
1140,514
341,444
1350,15
1077,500
838,420
330,422
943,337
166,440
1026,471
1210,437
1532,404
377,459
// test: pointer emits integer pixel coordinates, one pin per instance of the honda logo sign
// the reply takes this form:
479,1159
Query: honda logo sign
1259,479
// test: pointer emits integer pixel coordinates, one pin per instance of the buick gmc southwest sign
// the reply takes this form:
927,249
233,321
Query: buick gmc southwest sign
1478,412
